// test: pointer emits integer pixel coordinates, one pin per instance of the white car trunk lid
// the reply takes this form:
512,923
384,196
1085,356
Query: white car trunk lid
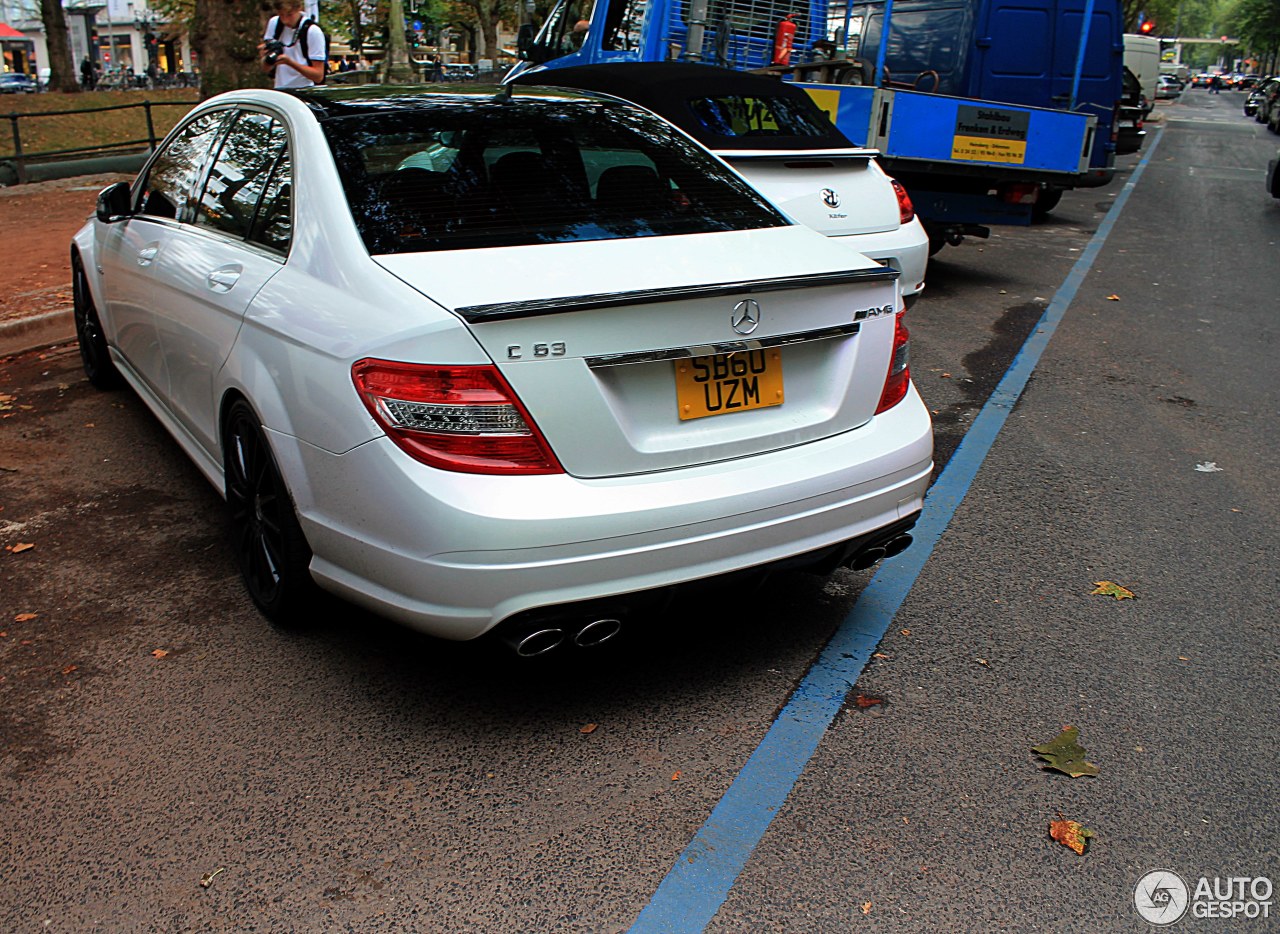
592,337
836,193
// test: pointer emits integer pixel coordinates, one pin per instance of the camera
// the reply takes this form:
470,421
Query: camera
274,49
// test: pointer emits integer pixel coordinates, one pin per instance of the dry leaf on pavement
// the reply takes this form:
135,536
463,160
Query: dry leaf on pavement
1065,754
1111,589
1070,833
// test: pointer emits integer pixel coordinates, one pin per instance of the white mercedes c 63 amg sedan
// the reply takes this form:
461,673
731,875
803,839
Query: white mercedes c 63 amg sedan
514,360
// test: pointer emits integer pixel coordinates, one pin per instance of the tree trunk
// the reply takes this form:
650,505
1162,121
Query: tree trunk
62,70
225,36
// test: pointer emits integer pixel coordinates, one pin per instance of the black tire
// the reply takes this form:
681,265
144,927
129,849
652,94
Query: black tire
94,355
270,548
1047,200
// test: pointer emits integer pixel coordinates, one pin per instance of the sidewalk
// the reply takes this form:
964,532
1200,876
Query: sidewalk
37,222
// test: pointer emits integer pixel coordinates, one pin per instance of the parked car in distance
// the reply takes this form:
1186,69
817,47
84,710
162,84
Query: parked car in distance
13,82
1255,96
782,143
1131,114
1248,81
1168,88
1201,80
513,359
1267,97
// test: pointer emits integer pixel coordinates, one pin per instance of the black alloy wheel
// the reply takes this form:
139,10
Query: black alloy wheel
95,357
269,545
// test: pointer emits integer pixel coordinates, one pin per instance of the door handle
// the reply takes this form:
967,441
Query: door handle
223,278
147,255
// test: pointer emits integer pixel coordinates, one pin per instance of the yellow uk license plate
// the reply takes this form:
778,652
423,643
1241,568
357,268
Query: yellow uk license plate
728,382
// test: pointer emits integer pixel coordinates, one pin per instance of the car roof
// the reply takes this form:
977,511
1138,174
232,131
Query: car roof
328,102
667,87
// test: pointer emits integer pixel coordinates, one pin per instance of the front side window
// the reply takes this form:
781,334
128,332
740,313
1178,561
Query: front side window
240,174
273,225
167,189
538,170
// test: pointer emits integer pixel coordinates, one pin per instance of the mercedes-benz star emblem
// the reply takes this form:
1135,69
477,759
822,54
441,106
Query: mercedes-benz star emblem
830,198
745,316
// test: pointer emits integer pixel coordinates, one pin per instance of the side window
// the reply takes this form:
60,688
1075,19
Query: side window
240,174
167,190
273,227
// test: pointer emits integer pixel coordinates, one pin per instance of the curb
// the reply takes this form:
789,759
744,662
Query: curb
25,334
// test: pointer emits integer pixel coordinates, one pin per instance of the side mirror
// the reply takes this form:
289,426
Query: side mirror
528,46
115,202
524,41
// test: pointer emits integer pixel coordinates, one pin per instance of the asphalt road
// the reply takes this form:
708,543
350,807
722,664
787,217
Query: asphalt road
158,733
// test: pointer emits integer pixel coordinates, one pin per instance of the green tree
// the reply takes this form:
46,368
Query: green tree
225,35
62,70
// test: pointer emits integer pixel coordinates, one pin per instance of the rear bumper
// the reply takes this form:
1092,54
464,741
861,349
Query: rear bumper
905,249
454,555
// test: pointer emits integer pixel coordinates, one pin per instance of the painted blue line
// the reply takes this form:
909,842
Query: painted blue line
704,874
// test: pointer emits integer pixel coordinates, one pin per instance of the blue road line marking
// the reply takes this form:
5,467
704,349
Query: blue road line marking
705,873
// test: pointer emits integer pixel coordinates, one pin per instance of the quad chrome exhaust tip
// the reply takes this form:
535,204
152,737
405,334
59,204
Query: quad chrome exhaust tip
532,641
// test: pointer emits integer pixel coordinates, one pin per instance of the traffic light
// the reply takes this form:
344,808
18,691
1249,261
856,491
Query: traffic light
1148,26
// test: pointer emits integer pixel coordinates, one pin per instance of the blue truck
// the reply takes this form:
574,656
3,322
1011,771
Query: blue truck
987,110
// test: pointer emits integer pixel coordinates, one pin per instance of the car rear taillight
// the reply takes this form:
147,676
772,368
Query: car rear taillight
899,377
460,418
906,210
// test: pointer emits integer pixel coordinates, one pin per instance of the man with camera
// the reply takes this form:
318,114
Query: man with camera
294,49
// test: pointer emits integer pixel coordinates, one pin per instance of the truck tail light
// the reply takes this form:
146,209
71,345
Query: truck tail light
1020,193
899,376
906,210
461,418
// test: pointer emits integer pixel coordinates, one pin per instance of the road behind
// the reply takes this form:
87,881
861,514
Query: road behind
157,731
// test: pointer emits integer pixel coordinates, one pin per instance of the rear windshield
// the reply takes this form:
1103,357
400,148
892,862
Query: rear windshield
737,115
470,174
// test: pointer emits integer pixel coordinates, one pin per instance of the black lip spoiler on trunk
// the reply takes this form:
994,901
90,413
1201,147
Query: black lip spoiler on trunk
546,306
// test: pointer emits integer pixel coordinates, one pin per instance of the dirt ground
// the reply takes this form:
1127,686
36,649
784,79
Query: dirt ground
37,222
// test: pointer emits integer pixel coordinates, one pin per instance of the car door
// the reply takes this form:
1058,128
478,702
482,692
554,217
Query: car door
129,250
214,265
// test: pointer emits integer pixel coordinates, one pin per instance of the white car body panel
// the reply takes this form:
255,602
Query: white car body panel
866,211
648,501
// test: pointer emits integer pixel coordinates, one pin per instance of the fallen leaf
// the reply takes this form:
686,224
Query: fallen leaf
68,669
1113,297
880,655
207,879
982,661
20,547
23,617
866,908
1065,754
905,632
1208,467
864,702
589,728
1070,833
675,776
160,653
1111,589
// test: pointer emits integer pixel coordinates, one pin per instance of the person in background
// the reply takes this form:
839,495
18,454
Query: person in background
88,75
301,62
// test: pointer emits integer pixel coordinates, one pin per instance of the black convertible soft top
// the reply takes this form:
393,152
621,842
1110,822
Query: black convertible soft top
684,94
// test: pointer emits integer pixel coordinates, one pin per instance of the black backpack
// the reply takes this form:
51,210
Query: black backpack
301,35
